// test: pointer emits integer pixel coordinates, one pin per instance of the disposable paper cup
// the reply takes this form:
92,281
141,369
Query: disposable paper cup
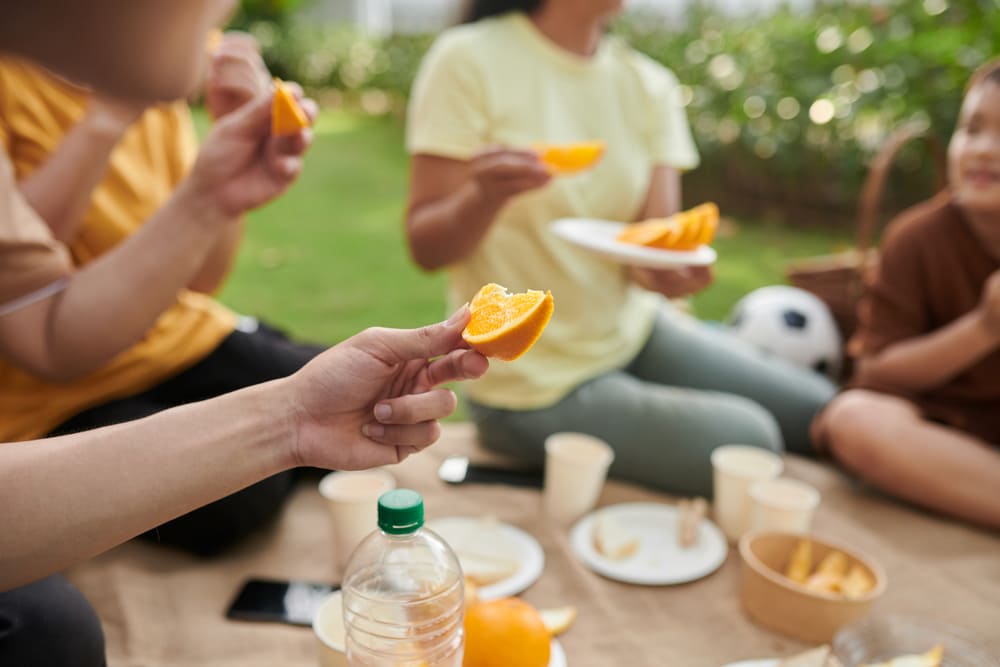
328,627
782,505
352,498
735,468
576,465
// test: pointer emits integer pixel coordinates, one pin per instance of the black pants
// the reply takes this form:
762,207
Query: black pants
241,360
49,624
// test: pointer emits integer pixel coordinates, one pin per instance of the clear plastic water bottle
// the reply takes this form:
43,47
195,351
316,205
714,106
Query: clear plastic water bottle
403,594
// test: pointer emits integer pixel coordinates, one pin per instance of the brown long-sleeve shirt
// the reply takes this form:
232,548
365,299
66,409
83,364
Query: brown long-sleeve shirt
931,272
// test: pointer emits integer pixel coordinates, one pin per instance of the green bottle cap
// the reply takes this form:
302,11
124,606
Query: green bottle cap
400,511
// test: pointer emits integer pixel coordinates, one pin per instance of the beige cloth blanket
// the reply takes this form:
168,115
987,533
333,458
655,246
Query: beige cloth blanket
161,608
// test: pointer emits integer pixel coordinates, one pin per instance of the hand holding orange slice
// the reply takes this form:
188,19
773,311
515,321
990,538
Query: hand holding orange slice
686,230
287,117
569,158
505,325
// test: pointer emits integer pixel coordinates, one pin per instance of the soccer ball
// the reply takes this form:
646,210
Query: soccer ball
790,323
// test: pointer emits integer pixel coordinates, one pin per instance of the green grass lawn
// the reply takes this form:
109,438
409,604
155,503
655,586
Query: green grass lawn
329,258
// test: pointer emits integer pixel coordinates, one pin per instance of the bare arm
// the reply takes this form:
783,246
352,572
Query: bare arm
453,203
60,189
110,303
219,260
66,499
925,362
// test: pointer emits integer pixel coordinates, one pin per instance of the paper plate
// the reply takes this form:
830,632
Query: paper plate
600,237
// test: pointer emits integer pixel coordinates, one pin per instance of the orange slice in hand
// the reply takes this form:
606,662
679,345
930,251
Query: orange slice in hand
287,117
569,158
506,325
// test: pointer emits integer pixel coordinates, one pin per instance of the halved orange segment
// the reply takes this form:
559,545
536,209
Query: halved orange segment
287,117
505,325
653,232
569,158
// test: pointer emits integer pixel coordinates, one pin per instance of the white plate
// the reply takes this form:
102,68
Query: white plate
659,560
599,236
556,656
524,548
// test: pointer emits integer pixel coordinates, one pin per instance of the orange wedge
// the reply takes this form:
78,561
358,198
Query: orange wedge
686,230
505,325
287,117
569,158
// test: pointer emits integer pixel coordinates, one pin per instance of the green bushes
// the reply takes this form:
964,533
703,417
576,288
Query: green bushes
786,109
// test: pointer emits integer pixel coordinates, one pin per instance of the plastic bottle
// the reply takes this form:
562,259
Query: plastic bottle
403,594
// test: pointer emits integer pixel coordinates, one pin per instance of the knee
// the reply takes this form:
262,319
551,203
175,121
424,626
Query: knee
751,424
858,426
52,625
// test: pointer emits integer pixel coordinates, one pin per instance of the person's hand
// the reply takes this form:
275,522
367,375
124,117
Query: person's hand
501,173
989,304
240,165
112,116
372,399
673,283
236,74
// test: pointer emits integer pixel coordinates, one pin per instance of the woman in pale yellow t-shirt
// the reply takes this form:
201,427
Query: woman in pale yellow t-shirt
616,361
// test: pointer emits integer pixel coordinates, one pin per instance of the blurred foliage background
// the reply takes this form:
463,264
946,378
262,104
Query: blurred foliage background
787,108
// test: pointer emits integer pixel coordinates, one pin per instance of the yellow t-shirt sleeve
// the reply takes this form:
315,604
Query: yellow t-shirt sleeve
669,134
185,143
447,113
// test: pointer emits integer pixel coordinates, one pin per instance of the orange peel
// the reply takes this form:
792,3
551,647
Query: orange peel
569,158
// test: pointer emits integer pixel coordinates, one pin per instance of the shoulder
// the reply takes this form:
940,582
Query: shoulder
468,41
652,77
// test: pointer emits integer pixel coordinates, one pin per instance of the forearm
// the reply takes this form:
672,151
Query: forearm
63,500
448,230
60,189
219,261
923,363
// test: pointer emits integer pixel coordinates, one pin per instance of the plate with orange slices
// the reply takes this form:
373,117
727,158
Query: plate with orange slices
682,239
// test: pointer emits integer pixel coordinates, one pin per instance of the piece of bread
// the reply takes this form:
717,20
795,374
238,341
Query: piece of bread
612,541
689,516
800,564
484,552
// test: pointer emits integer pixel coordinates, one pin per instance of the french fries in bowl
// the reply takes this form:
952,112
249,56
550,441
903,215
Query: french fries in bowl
806,587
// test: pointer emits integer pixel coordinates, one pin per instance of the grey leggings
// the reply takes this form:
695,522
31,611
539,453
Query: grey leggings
691,389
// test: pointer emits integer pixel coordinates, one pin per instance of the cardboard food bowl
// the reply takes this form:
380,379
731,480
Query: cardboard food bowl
328,627
780,604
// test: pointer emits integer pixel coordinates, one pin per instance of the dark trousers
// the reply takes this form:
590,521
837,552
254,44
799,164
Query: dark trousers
241,360
49,624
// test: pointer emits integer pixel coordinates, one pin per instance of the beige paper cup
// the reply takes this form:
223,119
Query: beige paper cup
782,505
734,469
352,499
576,465
328,627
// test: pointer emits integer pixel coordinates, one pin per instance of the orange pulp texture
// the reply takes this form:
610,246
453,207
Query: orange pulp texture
682,231
287,117
502,633
504,325
570,158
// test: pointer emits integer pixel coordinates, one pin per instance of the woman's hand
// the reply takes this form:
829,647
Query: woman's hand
502,173
373,399
673,283
240,165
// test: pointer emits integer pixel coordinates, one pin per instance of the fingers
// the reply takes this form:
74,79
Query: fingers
253,119
393,346
456,365
416,436
416,408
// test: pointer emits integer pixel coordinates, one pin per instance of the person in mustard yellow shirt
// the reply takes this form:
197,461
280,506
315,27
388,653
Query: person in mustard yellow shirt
616,361
96,169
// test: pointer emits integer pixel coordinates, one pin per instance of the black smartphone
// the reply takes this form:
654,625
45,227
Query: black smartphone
293,602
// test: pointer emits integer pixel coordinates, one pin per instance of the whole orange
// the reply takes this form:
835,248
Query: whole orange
505,633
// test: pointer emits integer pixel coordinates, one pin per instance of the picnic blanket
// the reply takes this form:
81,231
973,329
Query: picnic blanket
162,608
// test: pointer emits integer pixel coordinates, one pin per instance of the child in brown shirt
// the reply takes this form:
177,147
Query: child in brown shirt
922,417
